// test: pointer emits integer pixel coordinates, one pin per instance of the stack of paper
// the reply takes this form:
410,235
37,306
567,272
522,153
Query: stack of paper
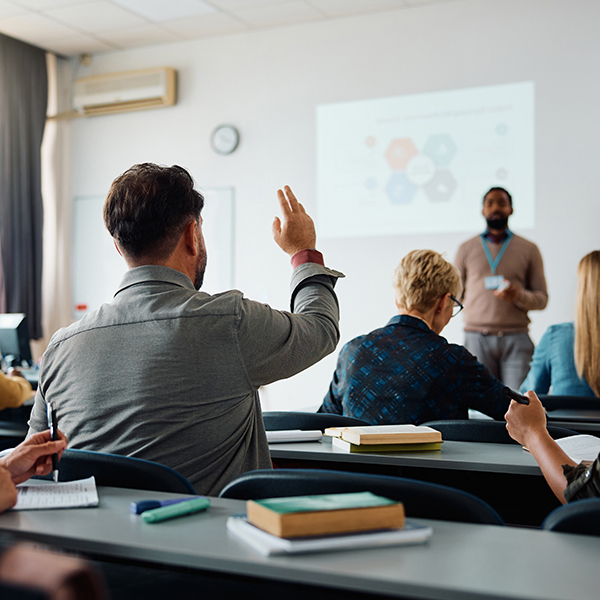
294,435
40,494
580,447
268,544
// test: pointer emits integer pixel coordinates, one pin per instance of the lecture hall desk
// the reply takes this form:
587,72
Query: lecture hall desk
460,561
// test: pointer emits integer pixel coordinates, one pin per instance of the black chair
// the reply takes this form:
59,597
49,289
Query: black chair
13,592
551,402
421,499
480,430
581,516
11,434
122,471
285,420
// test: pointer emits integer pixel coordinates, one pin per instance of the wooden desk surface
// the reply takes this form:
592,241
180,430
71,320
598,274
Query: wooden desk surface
460,456
461,561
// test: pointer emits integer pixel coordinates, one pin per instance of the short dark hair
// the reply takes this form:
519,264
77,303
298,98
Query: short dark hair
148,207
498,189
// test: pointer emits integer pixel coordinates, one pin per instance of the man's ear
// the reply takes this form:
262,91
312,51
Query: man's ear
190,237
117,247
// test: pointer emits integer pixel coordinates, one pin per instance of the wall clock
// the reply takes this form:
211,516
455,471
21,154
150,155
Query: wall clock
225,139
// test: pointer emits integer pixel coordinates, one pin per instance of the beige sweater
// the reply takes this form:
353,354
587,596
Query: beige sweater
521,264
13,391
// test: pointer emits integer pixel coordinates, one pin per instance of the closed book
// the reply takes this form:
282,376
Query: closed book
391,434
350,447
304,516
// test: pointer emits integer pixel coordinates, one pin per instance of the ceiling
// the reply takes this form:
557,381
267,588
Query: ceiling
72,27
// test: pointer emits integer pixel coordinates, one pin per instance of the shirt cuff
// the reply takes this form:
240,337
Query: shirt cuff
309,255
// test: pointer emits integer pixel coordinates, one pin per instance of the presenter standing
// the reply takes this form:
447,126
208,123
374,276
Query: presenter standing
503,278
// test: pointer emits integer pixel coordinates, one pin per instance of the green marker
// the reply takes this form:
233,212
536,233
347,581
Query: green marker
175,510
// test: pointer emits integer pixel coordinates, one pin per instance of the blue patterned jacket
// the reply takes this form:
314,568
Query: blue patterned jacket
406,373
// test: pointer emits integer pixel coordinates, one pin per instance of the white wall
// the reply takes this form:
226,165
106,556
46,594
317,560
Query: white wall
268,83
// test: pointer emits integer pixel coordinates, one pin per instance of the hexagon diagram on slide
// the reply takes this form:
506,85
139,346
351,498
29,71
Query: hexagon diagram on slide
399,152
399,189
441,187
441,149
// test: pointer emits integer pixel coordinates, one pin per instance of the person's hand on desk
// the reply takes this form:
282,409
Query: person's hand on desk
33,456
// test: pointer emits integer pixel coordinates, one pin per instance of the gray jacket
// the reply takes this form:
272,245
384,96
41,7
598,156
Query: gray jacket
166,373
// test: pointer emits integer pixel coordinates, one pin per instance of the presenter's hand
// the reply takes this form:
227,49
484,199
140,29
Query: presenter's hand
295,231
8,491
509,293
525,422
33,456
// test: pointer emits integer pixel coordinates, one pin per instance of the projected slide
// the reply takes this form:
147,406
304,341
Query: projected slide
421,163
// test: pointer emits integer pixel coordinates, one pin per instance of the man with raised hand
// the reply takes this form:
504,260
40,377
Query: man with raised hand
171,374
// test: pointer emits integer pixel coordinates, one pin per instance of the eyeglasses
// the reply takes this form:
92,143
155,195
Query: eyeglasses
457,306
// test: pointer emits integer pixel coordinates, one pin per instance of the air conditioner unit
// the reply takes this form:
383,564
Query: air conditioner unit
121,92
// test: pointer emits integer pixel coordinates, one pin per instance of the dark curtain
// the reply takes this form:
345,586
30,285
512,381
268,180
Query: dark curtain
23,99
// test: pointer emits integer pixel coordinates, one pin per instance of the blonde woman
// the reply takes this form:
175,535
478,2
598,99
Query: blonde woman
406,372
567,359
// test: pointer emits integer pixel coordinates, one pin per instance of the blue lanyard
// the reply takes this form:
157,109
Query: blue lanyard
494,263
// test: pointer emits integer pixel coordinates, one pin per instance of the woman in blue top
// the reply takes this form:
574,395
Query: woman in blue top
567,358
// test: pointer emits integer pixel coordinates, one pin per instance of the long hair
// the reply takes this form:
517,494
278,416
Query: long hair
587,320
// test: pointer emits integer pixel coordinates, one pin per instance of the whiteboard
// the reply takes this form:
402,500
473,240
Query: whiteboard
98,268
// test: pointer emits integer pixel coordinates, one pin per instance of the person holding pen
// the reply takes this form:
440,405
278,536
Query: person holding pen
31,457
568,480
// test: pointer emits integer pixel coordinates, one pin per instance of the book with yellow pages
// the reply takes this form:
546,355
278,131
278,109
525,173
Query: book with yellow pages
387,434
341,444
305,516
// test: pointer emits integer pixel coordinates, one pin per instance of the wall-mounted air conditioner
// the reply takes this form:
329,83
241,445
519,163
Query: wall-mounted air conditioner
121,92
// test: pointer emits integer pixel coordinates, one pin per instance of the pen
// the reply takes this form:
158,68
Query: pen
515,396
175,510
51,414
137,508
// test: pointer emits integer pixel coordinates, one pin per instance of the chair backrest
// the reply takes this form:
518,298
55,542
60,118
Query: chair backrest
581,516
11,434
121,471
421,499
480,430
13,592
285,420
551,402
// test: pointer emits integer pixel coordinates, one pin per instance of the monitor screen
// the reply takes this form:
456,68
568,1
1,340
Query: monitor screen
14,339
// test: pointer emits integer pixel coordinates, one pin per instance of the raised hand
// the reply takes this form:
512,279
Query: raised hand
296,230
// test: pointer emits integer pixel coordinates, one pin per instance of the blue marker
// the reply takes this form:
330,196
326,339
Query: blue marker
137,508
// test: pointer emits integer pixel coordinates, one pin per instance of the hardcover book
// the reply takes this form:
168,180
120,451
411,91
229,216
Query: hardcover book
303,516
360,448
387,434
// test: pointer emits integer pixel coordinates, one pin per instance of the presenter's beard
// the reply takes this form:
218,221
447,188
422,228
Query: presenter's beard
497,223
200,268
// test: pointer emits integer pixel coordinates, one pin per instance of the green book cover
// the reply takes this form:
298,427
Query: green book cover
324,502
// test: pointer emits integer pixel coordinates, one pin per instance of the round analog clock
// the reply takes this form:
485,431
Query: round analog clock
225,139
